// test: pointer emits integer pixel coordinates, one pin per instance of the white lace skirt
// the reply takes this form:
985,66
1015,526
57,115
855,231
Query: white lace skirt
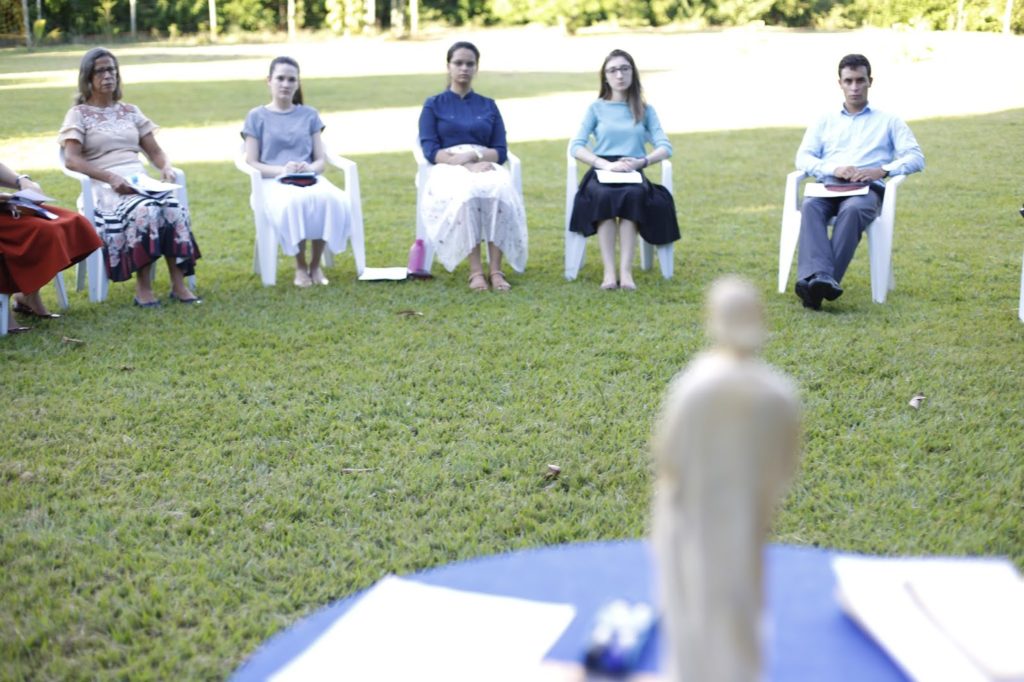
462,208
320,211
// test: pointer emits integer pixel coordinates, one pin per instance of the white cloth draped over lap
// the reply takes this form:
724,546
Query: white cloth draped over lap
462,208
320,211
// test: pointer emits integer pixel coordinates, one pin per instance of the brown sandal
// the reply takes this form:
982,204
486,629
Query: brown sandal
477,281
501,284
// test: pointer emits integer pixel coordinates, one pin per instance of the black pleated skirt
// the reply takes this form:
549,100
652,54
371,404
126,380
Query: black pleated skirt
648,205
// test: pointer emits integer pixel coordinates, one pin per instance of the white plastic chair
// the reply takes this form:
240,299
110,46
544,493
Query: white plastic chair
5,300
576,244
95,271
264,257
1020,311
423,171
879,234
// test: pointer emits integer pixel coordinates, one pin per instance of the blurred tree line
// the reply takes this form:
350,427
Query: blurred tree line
58,20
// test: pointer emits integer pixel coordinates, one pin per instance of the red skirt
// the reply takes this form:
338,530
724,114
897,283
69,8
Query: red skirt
33,249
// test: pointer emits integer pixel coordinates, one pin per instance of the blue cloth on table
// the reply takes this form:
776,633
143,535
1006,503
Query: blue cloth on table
811,639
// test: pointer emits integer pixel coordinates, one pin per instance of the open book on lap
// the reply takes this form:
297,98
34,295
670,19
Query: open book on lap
150,187
27,201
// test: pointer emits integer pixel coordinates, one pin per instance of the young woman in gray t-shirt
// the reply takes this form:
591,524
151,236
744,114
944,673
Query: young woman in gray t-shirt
282,141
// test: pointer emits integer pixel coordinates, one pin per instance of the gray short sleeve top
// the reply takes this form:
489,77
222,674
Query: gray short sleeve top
283,136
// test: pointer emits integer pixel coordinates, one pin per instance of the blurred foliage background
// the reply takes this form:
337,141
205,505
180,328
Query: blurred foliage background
56,21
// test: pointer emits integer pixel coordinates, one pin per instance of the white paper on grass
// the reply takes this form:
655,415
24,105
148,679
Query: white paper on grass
607,177
403,630
817,189
384,274
876,594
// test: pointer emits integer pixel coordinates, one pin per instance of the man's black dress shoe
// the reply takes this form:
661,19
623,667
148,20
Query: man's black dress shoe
809,298
824,286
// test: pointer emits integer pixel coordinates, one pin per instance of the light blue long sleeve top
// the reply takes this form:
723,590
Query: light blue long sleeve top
615,132
867,139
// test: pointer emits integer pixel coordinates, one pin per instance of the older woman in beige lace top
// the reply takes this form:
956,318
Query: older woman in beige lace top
102,138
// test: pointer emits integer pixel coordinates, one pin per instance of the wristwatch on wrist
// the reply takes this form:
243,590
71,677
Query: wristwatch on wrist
479,154
17,180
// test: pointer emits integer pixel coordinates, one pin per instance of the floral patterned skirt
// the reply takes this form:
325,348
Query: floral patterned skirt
462,208
139,230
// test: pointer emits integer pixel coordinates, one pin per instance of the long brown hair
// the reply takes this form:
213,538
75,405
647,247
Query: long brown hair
297,95
85,70
635,93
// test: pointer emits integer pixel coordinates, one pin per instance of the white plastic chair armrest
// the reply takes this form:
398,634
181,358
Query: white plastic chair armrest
791,199
350,169
515,167
888,211
666,175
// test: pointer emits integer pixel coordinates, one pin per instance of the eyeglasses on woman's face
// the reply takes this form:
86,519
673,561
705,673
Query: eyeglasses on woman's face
103,70
624,69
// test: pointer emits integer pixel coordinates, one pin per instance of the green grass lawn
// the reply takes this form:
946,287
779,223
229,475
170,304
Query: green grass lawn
188,481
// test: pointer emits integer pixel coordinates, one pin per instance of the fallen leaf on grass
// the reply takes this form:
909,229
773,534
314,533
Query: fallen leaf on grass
553,472
410,313
916,401
72,342
351,470
127,368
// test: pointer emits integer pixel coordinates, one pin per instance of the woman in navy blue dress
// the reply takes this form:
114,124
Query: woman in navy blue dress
469,197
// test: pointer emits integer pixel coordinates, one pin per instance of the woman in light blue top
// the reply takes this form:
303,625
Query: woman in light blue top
281,139
621,123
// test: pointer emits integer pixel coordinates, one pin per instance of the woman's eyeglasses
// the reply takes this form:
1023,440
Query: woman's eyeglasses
612,70
103,70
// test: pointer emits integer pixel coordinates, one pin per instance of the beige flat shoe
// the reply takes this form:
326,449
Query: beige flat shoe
477,281
317,277
498,281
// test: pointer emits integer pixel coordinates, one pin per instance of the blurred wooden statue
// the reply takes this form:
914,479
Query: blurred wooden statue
725,447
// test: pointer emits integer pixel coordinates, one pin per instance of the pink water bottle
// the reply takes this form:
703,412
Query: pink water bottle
417,254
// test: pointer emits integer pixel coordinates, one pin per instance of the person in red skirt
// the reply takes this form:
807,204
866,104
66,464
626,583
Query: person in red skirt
33,248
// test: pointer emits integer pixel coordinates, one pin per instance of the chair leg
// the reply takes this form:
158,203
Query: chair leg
357,243
575,251
880,255
666,258
1020,311
5,303
97,276
82,282
266,255
62,292
646,255
788,238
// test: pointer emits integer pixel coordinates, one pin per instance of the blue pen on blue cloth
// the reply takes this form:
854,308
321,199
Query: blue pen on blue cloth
620,633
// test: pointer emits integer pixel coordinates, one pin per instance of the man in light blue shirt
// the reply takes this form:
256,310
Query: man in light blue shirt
854,145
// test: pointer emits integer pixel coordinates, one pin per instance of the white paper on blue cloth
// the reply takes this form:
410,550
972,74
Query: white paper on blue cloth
404,630
939,619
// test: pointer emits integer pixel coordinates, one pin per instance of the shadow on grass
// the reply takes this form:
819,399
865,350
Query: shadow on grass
40,110
69,57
